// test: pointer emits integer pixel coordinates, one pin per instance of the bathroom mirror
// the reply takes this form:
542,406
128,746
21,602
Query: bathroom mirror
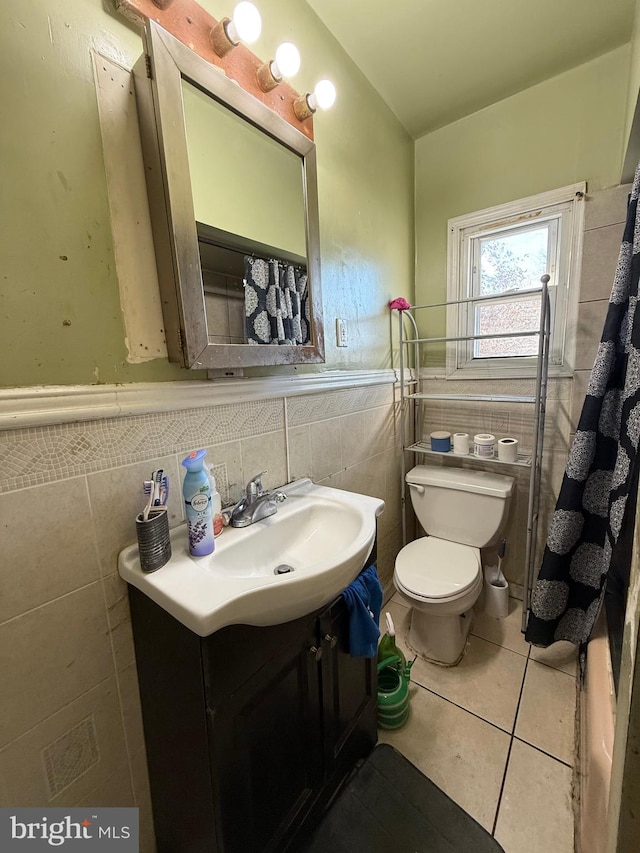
227,179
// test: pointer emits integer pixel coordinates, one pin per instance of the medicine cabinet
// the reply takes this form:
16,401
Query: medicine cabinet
227,178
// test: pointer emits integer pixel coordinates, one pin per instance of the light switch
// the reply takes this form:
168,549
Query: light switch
341,333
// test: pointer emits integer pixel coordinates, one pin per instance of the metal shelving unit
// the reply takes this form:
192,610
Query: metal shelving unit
487,398
424,447
532,460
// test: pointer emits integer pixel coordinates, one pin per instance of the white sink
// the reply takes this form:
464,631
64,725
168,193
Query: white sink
324,535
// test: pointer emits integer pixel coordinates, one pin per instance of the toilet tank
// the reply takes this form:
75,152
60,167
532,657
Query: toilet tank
464,506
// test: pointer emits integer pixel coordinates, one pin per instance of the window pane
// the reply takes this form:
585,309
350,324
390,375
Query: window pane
513,262
511,316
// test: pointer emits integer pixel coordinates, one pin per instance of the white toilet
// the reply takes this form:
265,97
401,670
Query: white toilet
440,574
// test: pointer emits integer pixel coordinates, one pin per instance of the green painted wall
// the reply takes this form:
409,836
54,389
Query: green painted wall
567,129
59,303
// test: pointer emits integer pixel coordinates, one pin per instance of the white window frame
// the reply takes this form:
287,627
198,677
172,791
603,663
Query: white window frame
564,206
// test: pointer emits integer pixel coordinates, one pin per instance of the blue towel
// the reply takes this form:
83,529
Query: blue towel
364,600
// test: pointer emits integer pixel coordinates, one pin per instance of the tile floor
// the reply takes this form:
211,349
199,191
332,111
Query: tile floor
496,732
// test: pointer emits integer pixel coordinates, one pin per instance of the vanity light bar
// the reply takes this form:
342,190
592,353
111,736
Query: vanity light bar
245,25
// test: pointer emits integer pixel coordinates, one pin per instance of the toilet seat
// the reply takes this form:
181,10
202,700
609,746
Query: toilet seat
435,569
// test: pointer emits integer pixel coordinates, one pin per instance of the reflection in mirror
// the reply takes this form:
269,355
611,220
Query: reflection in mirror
230,182
222,283
228,262
243,181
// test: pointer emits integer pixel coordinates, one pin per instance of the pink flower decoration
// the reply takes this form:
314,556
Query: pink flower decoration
400,304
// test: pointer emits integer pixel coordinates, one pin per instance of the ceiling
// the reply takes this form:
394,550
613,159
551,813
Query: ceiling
435,61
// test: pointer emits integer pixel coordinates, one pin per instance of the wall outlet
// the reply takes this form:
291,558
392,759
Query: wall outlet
341,333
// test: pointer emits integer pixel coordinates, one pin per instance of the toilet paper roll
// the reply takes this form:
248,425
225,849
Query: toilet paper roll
508,450
461,443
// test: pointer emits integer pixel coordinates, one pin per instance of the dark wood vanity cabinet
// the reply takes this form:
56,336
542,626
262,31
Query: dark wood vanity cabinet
250,731
349,694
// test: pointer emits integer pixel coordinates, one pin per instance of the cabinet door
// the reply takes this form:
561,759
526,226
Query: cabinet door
349,694
266,749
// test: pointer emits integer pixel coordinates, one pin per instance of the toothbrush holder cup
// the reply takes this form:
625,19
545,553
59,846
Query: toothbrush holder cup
154,544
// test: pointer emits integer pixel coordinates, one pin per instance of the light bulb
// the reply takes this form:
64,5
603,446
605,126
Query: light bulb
287,60
247,22
324,94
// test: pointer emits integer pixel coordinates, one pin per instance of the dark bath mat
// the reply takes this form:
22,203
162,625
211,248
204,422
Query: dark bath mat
389,806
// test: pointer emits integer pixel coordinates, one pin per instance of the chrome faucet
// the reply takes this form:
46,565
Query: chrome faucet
255,504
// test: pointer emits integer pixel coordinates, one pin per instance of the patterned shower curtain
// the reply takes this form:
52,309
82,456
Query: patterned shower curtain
584,534
275,302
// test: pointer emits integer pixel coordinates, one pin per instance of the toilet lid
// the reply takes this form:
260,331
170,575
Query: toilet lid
434,568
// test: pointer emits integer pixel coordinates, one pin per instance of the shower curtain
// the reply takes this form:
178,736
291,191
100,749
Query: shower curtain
597,488
275,302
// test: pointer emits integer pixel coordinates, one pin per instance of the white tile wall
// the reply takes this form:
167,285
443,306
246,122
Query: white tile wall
605,215
68,498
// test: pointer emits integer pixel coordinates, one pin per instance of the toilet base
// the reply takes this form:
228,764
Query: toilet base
439,639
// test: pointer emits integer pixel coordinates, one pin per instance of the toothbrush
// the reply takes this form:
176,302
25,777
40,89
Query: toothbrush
164,491
157,481
157,485
148,490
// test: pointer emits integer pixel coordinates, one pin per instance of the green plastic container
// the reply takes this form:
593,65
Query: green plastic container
393,681
393,693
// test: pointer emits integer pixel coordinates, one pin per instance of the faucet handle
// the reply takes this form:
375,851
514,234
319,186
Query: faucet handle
254,486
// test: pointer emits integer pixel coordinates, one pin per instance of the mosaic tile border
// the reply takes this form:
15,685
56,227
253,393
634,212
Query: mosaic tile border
45,454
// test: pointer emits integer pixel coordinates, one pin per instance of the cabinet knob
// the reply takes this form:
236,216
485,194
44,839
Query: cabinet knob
331,639
316,652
